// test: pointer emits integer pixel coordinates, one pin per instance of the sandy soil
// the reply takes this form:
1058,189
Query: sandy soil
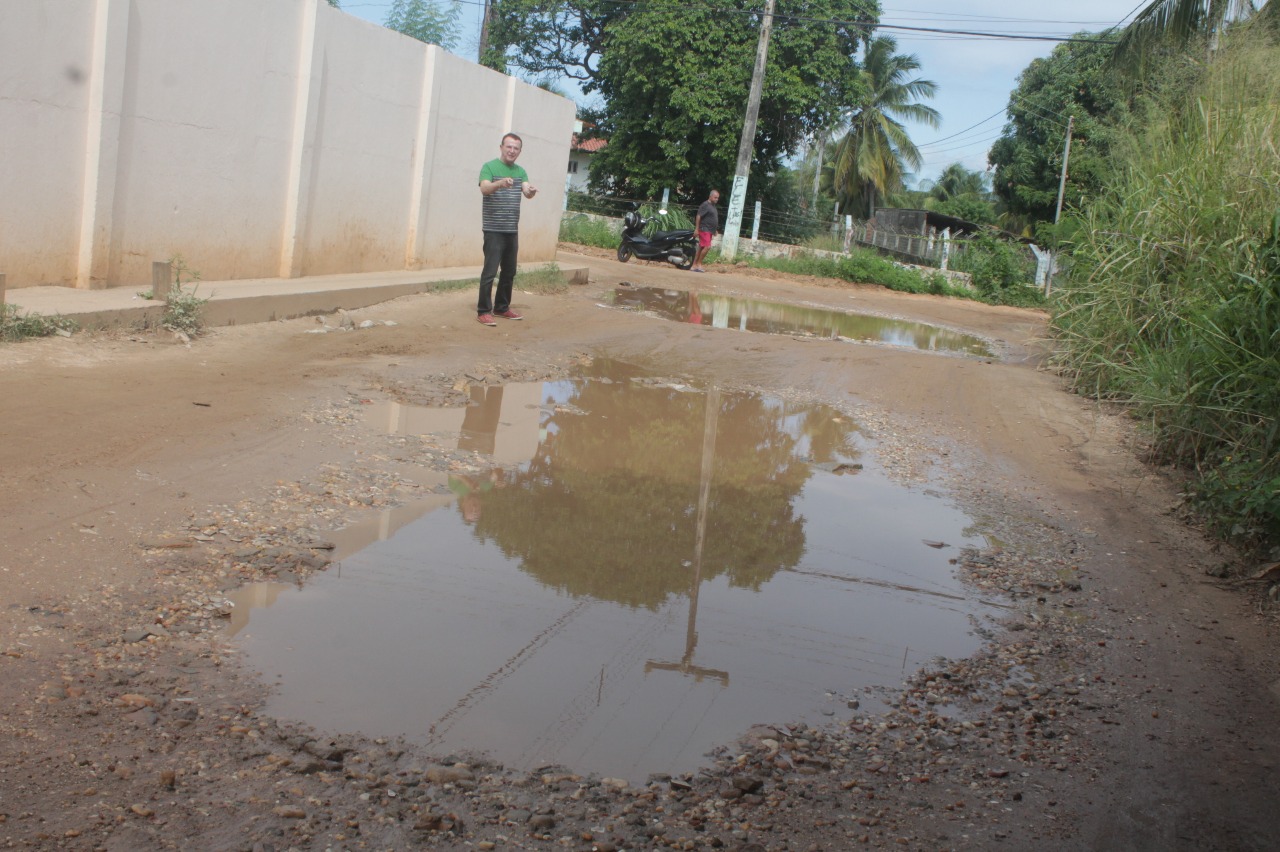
1128,702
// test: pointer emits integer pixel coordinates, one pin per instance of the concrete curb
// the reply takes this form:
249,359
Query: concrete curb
256,300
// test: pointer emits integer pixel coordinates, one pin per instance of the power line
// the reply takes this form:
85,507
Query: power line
1026,105
804,19
1131,11
962,132
1002,36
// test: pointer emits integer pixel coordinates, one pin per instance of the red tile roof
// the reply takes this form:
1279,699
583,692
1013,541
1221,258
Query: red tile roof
590,146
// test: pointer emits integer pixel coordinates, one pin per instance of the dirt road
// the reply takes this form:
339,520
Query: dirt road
1128,702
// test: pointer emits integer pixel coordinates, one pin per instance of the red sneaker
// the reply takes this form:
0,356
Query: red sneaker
509,314
485,319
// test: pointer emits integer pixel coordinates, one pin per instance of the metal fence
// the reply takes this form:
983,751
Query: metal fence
902,234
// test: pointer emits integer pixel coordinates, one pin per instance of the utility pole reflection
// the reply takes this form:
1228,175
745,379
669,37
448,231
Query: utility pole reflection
686,666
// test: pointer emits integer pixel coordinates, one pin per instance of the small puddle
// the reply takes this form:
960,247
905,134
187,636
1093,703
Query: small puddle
779,318
648,570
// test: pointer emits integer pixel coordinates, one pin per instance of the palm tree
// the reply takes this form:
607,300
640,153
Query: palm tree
1178,21
875,151
956,180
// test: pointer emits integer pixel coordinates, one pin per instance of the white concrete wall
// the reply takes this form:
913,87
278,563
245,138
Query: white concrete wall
45,51
256,138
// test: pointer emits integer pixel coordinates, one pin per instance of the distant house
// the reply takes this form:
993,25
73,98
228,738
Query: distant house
580,153
922,222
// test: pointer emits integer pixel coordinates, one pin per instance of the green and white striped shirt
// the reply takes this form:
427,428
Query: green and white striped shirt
500,211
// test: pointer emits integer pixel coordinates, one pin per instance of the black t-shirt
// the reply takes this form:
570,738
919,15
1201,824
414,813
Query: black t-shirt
708,218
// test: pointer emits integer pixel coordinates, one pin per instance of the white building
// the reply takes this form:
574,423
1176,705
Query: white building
580,154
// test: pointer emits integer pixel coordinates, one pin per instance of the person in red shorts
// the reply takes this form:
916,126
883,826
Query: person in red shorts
706,223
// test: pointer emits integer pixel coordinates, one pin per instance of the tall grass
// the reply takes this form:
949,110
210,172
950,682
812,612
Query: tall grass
546,279
586,231
1173,303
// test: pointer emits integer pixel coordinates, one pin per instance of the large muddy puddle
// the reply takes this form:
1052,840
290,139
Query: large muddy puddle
715,311
647,569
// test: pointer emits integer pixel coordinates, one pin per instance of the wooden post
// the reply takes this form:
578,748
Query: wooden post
161,280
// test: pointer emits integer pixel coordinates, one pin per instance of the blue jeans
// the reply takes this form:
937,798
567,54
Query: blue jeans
500,251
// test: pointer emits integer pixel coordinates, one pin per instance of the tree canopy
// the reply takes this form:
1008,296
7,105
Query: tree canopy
1073,81
960,192
620,472
425,20
674,78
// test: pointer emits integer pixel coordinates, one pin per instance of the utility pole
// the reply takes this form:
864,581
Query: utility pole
738,197
1057,214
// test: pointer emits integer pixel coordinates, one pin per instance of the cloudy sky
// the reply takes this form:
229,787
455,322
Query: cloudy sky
974,74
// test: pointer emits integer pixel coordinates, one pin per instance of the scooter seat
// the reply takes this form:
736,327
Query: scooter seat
673,235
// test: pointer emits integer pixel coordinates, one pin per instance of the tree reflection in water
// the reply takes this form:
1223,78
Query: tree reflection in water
608,506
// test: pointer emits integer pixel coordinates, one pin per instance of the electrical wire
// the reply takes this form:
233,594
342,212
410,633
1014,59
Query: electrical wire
783,19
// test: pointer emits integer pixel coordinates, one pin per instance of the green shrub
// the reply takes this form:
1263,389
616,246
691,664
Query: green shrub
672,219
1000,269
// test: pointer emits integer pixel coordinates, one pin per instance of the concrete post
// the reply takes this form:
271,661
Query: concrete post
738,195
161,280
1,288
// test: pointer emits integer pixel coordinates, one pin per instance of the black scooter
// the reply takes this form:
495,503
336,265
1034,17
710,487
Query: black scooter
675,247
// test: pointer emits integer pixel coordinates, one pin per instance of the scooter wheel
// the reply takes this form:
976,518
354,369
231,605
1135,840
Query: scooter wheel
689,254
624,253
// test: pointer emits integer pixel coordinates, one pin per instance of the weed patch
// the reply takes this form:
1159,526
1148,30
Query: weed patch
15,327
546,279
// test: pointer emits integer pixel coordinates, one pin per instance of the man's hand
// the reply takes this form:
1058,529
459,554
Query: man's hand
529,190
489,187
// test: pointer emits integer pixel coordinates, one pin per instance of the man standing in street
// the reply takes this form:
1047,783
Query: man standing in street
706,223
502,183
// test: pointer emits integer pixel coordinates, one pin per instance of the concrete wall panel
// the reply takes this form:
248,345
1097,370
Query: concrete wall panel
370,89
45,53
204,139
